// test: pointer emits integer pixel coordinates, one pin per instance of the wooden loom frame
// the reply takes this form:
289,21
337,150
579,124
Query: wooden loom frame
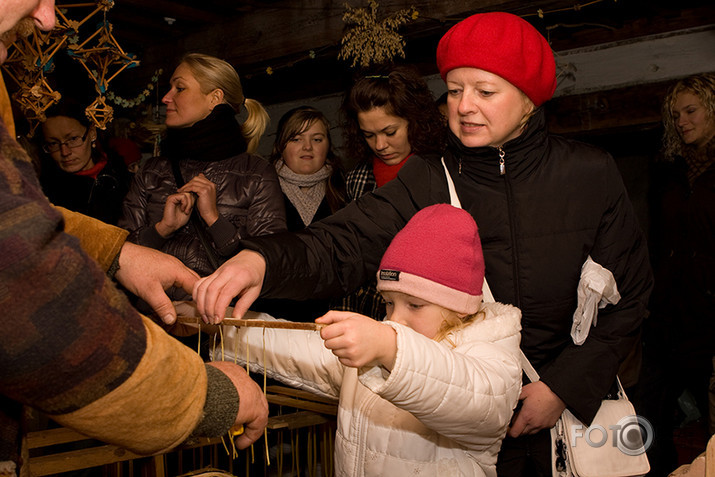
312,411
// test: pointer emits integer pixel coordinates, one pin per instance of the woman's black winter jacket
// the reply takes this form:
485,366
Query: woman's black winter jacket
558,202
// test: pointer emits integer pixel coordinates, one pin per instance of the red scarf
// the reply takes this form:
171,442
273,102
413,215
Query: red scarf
384,173
95,170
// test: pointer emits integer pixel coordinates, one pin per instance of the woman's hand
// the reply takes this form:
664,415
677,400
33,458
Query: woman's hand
240,276
205,190
359,341
540,409
177,211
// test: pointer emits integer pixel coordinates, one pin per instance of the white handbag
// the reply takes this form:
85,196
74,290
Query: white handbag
612,446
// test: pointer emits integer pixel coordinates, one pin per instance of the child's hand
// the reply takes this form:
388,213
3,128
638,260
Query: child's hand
358,340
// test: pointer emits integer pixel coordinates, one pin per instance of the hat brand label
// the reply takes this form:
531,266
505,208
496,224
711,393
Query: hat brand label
390,275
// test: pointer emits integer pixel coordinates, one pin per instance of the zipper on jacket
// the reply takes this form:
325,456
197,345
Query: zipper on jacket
512,227
502,165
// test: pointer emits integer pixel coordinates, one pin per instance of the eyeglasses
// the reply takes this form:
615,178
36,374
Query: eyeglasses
74,141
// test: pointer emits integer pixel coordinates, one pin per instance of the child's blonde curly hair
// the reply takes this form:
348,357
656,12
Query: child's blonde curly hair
454,322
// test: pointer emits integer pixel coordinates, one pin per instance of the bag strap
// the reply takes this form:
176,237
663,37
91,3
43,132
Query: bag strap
487,296
198,225
528,368
453,198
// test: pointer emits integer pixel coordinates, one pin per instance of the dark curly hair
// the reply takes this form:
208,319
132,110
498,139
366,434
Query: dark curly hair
403,93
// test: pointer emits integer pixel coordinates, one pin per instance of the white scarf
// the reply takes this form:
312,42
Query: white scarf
305,191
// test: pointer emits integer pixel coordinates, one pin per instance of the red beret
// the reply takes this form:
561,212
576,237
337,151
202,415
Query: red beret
503,44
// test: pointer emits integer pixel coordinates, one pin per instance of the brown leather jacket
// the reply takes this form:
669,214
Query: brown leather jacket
248,197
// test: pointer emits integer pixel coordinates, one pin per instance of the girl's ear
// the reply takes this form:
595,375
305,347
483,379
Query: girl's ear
92,135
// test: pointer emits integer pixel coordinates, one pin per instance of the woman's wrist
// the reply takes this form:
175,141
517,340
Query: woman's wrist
163,229
211,218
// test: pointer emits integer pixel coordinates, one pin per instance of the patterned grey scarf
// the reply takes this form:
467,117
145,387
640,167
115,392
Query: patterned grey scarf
305,191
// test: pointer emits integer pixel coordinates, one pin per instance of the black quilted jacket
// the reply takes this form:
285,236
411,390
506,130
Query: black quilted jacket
248,196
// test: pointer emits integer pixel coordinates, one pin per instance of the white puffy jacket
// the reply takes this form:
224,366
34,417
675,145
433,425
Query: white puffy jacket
442,411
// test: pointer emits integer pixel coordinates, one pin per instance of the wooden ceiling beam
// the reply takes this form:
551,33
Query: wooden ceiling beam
621,108
125,21
289,27
280,33
174,10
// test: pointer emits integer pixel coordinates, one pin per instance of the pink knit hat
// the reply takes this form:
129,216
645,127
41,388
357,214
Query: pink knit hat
437,257
503,44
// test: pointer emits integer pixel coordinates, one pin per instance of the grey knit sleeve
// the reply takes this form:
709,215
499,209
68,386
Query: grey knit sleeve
221,405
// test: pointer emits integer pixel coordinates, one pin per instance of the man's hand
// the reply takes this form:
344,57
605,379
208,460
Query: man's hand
252,406
240,276
540,409
358,340
147,273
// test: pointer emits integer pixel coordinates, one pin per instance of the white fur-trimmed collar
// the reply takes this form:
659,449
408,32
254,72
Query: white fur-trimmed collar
500,321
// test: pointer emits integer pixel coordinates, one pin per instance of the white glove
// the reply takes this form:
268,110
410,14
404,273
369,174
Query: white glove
596,289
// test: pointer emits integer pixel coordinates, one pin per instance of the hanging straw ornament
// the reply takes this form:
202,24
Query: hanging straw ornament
103,60
99,112
372,41
29,59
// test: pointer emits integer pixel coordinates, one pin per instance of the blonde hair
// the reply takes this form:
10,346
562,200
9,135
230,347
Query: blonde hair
213,73
702,86
532,110
453,322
